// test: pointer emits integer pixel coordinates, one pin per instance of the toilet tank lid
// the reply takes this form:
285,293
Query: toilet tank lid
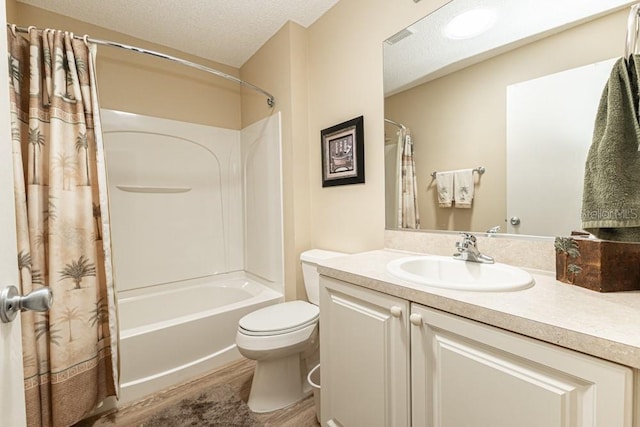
316,255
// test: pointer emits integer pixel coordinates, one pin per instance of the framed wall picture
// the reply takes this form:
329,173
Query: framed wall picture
343,153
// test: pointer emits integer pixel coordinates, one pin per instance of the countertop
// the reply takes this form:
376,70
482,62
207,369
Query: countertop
605,325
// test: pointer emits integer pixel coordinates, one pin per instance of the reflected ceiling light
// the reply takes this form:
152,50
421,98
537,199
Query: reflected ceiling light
470,23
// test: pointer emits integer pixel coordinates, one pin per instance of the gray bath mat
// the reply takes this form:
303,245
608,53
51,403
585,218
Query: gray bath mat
218,406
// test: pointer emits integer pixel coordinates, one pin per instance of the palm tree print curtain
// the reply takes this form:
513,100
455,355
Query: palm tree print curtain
70,355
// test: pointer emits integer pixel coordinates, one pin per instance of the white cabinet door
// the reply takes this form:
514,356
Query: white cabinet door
364,357
465,373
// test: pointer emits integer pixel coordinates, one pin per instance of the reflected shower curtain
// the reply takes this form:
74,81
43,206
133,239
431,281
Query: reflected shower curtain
408,216
70,355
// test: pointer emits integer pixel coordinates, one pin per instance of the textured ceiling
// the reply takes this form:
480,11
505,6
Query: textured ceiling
427,54
225,31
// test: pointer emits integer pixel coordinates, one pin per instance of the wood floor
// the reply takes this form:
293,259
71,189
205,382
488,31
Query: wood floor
237,375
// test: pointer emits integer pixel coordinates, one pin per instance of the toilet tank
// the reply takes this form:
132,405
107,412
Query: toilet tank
310,274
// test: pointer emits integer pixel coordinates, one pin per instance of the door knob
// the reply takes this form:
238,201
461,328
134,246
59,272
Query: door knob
514,220
11,302
396,311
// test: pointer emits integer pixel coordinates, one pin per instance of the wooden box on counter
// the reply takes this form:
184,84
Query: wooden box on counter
599,265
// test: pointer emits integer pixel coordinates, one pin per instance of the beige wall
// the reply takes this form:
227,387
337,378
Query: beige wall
143,84
321,76
459,120
345,81
281,66
11,9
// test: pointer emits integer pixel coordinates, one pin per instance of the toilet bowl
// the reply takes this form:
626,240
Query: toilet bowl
283,340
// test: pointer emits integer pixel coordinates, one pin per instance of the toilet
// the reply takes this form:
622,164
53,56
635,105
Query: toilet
283,340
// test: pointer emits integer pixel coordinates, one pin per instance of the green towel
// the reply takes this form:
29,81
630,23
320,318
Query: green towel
611,198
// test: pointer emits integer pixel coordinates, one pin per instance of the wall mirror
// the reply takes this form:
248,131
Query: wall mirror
516,94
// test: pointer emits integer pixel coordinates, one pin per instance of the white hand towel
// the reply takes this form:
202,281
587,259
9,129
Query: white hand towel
444,183
463,188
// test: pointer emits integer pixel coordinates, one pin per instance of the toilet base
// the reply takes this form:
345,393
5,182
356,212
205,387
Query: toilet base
277,383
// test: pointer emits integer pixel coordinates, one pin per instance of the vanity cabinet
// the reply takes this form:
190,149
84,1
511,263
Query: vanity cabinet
389,362
465,373
364,338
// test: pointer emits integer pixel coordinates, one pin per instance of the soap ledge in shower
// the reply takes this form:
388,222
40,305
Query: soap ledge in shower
149,189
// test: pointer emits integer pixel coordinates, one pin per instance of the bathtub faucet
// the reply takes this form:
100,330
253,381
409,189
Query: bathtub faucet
468,250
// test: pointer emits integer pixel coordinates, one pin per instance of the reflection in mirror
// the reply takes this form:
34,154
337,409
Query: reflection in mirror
518,99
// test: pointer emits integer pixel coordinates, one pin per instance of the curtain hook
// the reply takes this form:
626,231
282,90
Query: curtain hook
13,30
29,28
86,39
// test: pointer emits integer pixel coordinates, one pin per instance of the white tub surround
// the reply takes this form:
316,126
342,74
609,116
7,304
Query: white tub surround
197,236
604,325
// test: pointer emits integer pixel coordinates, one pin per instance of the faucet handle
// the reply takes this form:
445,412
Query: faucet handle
468,236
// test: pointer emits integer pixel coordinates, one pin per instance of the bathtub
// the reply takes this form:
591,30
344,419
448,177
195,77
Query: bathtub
176,332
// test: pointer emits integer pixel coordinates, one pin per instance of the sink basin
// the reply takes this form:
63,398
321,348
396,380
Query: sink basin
446,272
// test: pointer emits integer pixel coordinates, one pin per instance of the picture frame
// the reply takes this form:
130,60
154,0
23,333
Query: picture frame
343,153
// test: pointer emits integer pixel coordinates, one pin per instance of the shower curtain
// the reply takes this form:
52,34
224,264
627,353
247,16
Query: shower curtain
70,354
408,216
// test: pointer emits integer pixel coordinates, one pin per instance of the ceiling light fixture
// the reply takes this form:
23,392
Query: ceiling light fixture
470,24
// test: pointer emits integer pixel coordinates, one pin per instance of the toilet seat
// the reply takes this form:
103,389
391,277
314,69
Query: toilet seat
279,319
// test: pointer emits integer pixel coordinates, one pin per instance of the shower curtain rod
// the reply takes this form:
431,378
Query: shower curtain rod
270,98
400,125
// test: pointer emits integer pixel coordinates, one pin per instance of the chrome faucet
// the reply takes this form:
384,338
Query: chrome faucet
493,230
468,250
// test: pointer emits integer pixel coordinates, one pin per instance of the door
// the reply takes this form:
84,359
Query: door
465,373
547,145
364,357
12,407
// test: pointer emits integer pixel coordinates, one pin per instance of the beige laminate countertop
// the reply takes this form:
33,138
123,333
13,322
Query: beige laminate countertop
605,325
